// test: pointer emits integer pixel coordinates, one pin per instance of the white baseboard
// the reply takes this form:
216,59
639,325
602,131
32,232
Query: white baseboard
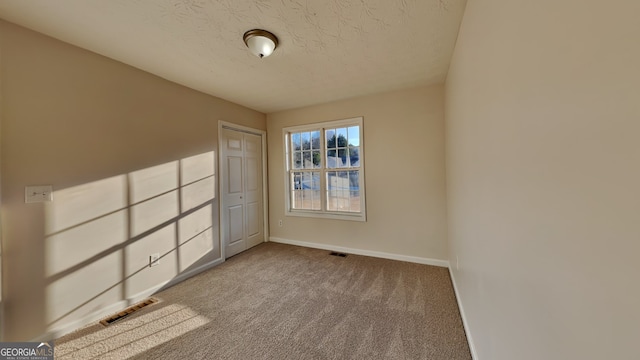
465,324
57,332
378,254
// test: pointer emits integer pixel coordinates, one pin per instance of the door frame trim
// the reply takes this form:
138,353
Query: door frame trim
265,196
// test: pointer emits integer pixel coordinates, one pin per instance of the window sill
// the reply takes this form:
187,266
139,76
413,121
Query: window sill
360,217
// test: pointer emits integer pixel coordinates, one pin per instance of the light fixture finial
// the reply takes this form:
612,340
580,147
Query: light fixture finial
260,42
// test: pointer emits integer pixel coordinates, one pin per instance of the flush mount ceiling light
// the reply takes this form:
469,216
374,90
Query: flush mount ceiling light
260,42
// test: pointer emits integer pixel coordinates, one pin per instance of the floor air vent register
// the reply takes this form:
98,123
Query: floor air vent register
333,253
128,311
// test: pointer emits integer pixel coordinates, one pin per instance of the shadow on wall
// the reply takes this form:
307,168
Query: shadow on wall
100,236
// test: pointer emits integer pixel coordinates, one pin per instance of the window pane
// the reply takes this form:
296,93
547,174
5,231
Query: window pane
315,186
306,156
354,191
306,140
343,191
315,140
316,159
295,141
305,190
330,136
354,156
354,135
297,160
343,159
342,137
332,162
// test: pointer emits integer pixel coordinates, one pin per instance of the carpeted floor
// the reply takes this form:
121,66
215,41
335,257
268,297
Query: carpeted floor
279,301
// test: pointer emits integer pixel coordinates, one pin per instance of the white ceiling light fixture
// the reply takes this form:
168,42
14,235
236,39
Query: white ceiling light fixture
260,42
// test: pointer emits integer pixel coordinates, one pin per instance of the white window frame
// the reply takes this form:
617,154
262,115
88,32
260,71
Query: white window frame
324,212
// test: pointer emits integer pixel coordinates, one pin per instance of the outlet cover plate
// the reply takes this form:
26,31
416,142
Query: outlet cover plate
38,193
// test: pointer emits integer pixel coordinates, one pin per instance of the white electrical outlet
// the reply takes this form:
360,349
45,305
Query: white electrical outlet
41,193
280,223
154,259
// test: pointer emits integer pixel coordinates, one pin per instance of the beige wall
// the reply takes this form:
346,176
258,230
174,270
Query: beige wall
405,186
543,165
131,160
1,230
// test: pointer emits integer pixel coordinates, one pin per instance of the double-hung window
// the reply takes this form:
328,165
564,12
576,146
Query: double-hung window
325,170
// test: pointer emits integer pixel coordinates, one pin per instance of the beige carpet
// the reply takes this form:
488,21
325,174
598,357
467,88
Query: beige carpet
286,302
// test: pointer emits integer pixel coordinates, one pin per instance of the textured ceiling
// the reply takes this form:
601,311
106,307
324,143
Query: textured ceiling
329,49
